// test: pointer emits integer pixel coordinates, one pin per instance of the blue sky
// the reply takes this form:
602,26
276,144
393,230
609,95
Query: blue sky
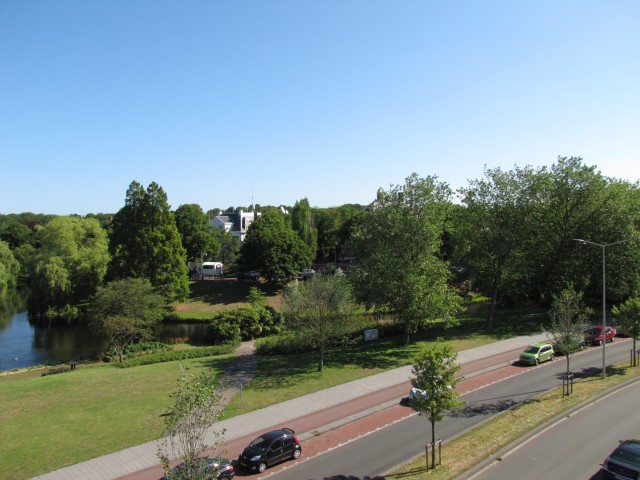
220,102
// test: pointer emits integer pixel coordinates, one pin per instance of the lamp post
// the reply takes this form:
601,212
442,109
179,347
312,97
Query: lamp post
604,296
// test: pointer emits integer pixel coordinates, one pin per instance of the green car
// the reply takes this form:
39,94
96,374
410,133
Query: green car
537,353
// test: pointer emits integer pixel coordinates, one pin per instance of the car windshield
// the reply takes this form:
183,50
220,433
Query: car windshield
532,349
259,443
594,331
625,454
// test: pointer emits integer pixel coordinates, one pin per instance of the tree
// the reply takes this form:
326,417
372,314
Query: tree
229,247
9,269
196,232
435,372
125,311
568,319
629,316
303,223
397,247
188,424
492,231
70,263
319,311
145,242
273,248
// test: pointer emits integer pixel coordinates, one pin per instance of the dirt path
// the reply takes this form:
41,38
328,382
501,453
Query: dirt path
240,373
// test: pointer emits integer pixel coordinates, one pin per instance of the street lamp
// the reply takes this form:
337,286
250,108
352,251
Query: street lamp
604,296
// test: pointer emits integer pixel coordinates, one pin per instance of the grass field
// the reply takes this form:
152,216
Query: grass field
49,422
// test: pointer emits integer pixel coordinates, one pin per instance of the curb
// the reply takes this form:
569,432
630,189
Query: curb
519,442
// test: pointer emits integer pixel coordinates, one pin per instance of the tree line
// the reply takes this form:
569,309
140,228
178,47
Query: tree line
416,250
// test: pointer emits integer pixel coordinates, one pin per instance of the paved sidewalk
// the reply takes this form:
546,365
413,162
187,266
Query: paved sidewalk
144,456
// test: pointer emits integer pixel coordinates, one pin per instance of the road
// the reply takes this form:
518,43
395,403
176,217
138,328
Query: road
576,446
383,450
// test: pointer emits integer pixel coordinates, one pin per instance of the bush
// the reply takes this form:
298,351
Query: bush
282,344
244,323
172,355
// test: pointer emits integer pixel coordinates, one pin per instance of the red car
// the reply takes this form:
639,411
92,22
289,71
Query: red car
594,335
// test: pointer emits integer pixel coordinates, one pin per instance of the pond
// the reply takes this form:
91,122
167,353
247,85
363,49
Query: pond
24,343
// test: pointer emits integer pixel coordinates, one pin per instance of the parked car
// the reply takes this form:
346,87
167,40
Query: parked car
251,275
624,461
594,335
414,392
215,468
270,448
307,273
537,353
580,343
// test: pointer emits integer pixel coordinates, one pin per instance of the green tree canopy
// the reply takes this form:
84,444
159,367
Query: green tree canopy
303,223
9,269
629,319
70,263
398,263
273,248
125,311
435,371
145,242
320,311
188,423
492,231
196,232
568,319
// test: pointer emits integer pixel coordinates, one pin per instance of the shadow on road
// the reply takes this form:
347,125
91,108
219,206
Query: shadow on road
472,410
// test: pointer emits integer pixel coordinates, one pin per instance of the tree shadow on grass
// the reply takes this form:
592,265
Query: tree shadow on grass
474,409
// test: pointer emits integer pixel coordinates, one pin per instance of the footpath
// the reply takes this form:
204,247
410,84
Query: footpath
321,419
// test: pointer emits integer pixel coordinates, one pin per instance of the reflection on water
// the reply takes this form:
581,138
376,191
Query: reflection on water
24,343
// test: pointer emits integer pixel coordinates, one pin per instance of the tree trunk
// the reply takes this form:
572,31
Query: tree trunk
494,301
433,443
321,359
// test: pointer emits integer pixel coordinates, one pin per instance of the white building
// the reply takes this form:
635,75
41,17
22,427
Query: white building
236,224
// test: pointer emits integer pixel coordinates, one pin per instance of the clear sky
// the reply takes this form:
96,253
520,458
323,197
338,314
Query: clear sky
221,102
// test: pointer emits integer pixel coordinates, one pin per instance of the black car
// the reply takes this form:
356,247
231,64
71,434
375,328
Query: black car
215,469
270,448
252,275
624,462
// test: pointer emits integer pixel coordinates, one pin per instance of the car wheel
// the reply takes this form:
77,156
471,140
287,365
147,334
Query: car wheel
612,339
296,454
551,358
262,467
225,478
537,362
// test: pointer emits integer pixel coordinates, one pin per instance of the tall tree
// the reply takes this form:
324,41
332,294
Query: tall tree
273,248
319,311
568,319
493,229
9,269
303,223
629,313
435,371
397,247
571,206
197,234
70,263
145,242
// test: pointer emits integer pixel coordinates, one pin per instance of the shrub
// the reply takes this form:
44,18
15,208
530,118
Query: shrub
172,355
282,344
244,323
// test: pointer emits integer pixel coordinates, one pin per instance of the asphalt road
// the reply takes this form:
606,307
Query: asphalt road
575,446
371,456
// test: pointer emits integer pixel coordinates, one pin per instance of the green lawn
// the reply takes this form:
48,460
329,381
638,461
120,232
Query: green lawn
49,422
